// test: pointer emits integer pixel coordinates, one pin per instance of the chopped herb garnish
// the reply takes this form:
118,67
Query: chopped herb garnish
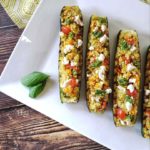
97,34
136,63
95,64
100,92
67,21
71,35
123,45
102,21
123,81
128,99
74,72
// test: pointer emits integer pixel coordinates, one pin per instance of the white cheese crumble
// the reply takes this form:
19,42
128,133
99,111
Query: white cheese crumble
65,61
132,80
101,72
68,48
122,122
80,42
78,21
95,29
65,83
108,91
73,63
121,88
147,92
103,27
128,106
130,67
103,39
133,48
95,98
101,57
91,48
130,87
61,34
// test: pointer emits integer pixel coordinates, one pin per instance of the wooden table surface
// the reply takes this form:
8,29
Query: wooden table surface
22,128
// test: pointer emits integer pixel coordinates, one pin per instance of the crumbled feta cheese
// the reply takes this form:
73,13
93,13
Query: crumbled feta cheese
130,87
78,21
101,72
73,63
61,34
130,67
65,83
121,88
80,42
132,80
95,98
108,91
122,122
128,106
103,38
88,75
101,57
103,27
147,92
91,48
95,29
133,48
65,61
68,48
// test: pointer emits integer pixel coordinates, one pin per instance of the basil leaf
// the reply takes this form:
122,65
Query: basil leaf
123,81
95,64
34,79
100,92
123,45
36,90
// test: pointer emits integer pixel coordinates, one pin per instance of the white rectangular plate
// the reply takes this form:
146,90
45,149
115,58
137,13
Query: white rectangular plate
38,48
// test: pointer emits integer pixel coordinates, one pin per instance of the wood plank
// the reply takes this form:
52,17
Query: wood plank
8,39
31,130
4,18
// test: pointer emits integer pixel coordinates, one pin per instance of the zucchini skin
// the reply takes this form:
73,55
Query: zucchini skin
70,54
146,100
97,54
127,79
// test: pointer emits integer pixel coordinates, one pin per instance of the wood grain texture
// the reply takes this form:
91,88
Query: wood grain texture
22,128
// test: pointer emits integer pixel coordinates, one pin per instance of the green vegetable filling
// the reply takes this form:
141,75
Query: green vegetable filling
95,64
123,45
129,99
100,92
123,81
97,34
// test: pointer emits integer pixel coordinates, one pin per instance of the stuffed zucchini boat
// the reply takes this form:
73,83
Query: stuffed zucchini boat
70,54
127,78
146,103
97,65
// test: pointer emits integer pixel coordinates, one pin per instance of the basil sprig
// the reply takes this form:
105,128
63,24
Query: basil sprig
35,81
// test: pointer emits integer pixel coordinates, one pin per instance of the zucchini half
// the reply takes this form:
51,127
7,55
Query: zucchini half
127,79
97,65
70,53
146,103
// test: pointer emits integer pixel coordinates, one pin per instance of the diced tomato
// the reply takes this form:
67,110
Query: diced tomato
67,66
148,113
127,60
104,104
106,62
120,114
118,70
134,93
76,68
66,30
130,41
73,82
